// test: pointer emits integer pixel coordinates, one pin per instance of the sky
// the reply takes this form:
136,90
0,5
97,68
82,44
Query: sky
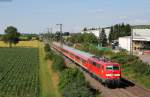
35,16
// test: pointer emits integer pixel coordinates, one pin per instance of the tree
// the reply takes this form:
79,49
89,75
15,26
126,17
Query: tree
11,35
128,30
66,34
119,30
103,38
84,38
58,36
89,38
85,29
110,37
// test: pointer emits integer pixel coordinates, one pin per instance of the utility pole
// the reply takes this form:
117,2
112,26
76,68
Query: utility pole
131,42
61,38
51,36
51,30
48,34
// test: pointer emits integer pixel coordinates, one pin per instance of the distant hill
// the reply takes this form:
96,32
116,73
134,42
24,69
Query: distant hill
141,26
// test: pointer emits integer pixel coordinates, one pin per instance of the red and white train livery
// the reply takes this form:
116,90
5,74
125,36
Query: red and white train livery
106,71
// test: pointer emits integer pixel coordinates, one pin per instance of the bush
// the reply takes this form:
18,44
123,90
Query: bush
72,84
49,55
123,58
133,62
140,68
58,62
47,48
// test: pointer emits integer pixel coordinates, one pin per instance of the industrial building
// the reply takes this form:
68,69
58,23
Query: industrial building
140,41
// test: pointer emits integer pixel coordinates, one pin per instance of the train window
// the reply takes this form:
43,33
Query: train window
112,67
109,67
94,63
97,65
115,67
77,57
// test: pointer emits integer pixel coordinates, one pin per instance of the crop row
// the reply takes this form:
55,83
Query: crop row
19,72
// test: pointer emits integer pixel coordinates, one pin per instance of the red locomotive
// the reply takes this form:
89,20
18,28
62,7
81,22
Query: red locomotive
106,71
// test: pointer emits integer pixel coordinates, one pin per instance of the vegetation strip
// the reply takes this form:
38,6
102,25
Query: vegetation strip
48,79
72,81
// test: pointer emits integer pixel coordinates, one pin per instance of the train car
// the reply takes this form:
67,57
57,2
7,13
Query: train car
106,71
147,51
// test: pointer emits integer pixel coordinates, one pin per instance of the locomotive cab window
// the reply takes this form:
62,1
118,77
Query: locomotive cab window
94,63
115,67
112,67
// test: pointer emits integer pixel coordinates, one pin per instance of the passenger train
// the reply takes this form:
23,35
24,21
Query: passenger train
106,71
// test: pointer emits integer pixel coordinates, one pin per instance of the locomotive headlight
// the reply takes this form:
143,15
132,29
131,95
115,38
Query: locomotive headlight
116,74
112,74
109,75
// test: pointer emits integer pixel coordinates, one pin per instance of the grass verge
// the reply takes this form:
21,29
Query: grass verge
48,78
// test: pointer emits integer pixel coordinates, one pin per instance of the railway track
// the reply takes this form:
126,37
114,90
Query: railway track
127,88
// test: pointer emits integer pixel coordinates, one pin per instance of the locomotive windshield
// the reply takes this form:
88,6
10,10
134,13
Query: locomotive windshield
112,67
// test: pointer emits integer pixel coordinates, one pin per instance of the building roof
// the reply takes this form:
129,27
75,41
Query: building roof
137,38
141,38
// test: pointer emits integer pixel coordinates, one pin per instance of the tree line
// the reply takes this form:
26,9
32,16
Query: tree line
119,30
116,31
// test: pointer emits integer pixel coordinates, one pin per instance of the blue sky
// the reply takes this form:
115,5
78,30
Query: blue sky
35,16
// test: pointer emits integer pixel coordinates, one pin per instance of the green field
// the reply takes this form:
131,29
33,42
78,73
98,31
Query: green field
19,72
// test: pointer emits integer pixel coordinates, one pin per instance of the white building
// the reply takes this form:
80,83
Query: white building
140,41
125,42
136,32
97,31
